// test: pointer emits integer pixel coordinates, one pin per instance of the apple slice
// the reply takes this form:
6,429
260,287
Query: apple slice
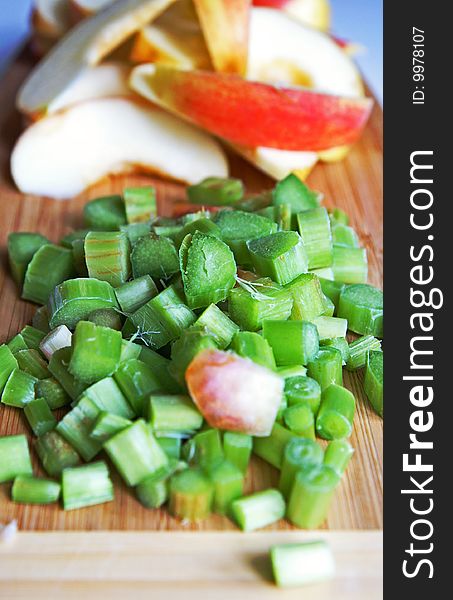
62,154
174,38
84,46
225,25
234,393
314,13
299,56
254,114
279,163
104,80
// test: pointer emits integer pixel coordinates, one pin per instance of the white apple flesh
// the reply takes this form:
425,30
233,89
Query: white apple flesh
61,155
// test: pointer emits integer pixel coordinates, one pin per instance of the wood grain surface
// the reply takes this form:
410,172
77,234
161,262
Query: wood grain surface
354,185
202,566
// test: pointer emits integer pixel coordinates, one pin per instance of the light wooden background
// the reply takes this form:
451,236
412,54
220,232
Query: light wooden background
354,185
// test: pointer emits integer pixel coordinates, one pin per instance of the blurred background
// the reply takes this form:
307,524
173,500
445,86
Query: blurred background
359,21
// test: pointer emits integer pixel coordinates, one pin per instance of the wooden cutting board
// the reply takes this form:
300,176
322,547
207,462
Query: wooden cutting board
354,185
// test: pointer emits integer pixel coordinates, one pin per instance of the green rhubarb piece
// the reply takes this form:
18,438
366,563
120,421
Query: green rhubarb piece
72,236
308,298
336,413
134,294
299,454
350,265
58,367
237,448
342,234
314,229
216,191
208,269
107,425
250,304
129,350
32,337
137,381
140,204
338,215
39,416
280,256
252,345
302,564
160,365
258,510
191,495
326,367
8,363
135,231
52,392
173,414
337,455
332,290
191,342
41,319
14,457
105,214
19,389
170,445
135,452
292,341
358,351
34,490
339,343
153,491
107,256
31,362
40,280
271,448
22,246
162,319
74,300
107,395
86,485
292,371
76,427
155,256
291,190
106,317
206,448
301,420
373,382
204,225
228,483
237,227
311,495
55,453
330,327
217,325
362,306
78,257
96,352
300,389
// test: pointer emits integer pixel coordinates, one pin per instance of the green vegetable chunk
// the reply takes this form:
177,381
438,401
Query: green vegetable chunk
300,389
258,510
374,381
34,490
39,416
252,345
308,298
107,256
208,269
155,256
216,191
14,457
19,389
40,279
280,256
299,454
292,341
358,351
105,214
7,365
22,246
191,495
86,485
314,229
291,190
336,413
237,448
140,204
362,306
326,367
228,483
302,564
55,453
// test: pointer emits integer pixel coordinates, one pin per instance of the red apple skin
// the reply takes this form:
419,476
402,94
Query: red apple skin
258,114
270,3
234,393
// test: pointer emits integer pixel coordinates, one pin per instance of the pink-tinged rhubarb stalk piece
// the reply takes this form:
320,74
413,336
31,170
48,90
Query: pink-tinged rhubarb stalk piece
225,25
234,393
255,114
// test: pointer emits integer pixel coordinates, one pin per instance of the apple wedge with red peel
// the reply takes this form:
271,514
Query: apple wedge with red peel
61,155
254,114
85,45
225,25
315,13
234,393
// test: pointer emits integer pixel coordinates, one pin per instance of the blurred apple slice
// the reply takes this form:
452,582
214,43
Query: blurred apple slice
83,46
254,114
174,38
62,154
314,13
279,163
225,25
